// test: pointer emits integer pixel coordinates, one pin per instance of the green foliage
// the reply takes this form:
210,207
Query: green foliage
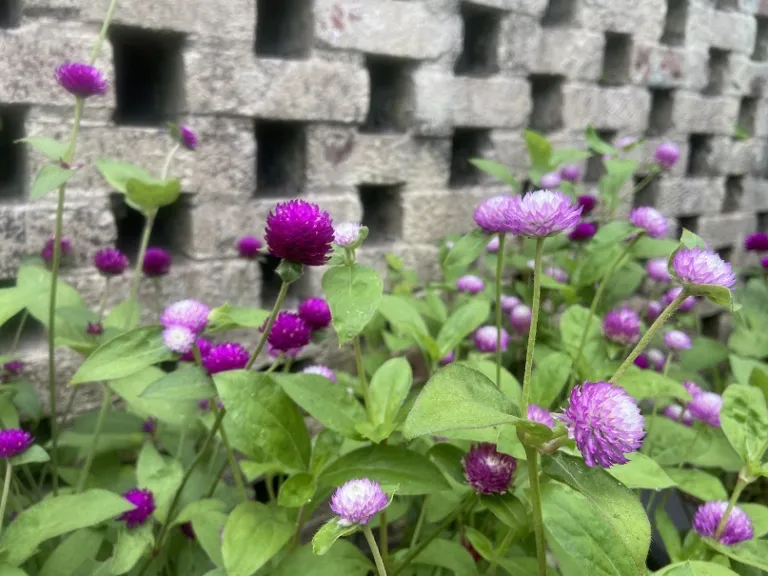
353,293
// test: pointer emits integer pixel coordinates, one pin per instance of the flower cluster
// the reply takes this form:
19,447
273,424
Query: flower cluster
183,321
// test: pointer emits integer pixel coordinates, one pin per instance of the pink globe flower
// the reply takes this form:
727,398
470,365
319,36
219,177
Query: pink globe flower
622,326
300,232
678,414
347,234
204,347
358,501
520,319
447,359
508,302
706,407
188,138
493,246
692,388
677,340
81,80
110,261
570,173
673,293
697,266
492,214
470,284
757,242
653,311
667,154
14,442
316,312
225,357
649,219
47,252
179,339
738,527
157,262
486,336
248,247
657,358
488,471
290,332
542,213
583,231
657,270
144,505
550,180
541,415
587,203
320,370
190,314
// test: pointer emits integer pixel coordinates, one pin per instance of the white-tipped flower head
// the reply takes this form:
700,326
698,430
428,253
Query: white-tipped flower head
357,501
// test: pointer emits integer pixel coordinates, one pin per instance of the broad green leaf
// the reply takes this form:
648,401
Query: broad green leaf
671,443
717,452
718,294
461,323
174,411
124,355
34,453
450,555
7,570
26,398
344,559
405,320
498,171
464,252
539,151
642,384
749,343
449,459
705,353
229,317
698,483
117,174
521,566
254,533
35,282
752,552
208,520
51,148
510,510
387,465
668,532
325,447
297,490
74,551
187,382
759,516
48,178
596,263
131,545
624,283
613,232
641,472
572,325
549,378
566,155
744,420
617,174
695,568
509,384
152,195
389,388
12,301
479,542
160,475
328,534
265,418
124,316
57,516
353,293
647,248
455,398
327,401
596,143
691,240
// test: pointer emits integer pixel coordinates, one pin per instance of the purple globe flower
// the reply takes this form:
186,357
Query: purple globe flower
492,214
509,302
81,80
605,422
110,261
653,311
587,203
188,138
190,314
570,173
557,274
358,501
673,293
692,388
706,407
187,529
157,262
321,370
470,284
316,312
677,340
488,471
448,359
14,367
764,263
697,266
757,242
47,252
550,180
738,527
248,247
144,505
642,361
667,154
541,415
657,270
347,234
583,231
13,442
520,318
650,220
493,246
622,326
179,339
542,213
149,425
95,328
678,414
657,358
225,357
300,232
290,353
289,332
485,339
203,345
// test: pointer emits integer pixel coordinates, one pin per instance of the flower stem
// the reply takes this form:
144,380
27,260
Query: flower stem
374,550
499,272
271,322
532,331
384,537
19,330
104,298
420,521
501,550
103,32
741,483
362,376
6,489
105,404
148,223
168,159
538,522
648,336
230,453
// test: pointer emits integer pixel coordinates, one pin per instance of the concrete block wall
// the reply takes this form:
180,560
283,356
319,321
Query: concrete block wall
372,108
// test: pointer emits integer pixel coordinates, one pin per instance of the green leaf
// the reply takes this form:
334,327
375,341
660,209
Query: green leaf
353,293
647,248
254,533
480,542
131,545
668,532
598,144
389,388
698,483
752,552
449,458
124,316
387,465
567,155
326,446
672,443
461,323
464,252
35,282
539,150
117,174
509,384
759,516
160,475
187,382
691,240
602,528
498,171
75,551
57,516
617,174
12,301
508,508
328,534
743,368
265,418
744,420
455,398
641,472
520,566
750,343
49,147
34,453
175,411
152,195
643,384
595,264
403,316
327,401
448,554
613,232
297,490
705,353
208,521
344,559
124,355
624,283
549,378
573,323
48,178
229,317
695,568
718,294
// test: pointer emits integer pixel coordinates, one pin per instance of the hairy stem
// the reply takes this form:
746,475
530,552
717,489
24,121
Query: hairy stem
499,272
534,324
271,322
741,483
101,418
538,521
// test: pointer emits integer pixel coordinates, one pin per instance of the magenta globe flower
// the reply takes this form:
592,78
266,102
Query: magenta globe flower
605,422
486,336
677,340
657,358
47,252
179,339
144,505
757,242
493,246
149,425
764,263
321,370
187,137
653,311
649,219
509,302
622,326
738,527
347,234
678,414
110,261
642,361
587,203
14,442
225,357
190,314
657,270
14,367
290,332
356,502
557,274
542,213
81,80
692,388
570,173
520,319
448,359
583,231
706,407
667,154
488,471
470,284
673,293
157,262
492,214
316,312
248,247
541,415
300,232
697,266
550,180
94,328
204,347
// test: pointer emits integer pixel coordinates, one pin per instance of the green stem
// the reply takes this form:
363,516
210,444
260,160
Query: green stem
501,550
104,298
420,521
362,376
271,322
19,330
103,32
538,521
287,365
269,482
384,537
648,336
168,159
101,418
741,483
297,532
499,272
6,489
148,223
534,324
374,550
230,454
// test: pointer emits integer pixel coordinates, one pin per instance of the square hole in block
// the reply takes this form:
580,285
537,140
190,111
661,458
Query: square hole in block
675,23
130,226
468,143
12,156
149,75
617,56
727,5
717,72
547,98
10,13
700,155
747,113
761,41
762,222
31,335
382,212
734,192
284,28
595,167
271,284
479,54
391,102
690,223
281,158
648,194
726,253
710,326
660,117
559,13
